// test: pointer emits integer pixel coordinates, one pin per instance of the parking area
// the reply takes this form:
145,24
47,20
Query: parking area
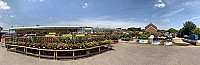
123,54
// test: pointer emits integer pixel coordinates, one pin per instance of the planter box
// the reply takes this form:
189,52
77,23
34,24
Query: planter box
114,41
155,42
143,41
198,43
168,43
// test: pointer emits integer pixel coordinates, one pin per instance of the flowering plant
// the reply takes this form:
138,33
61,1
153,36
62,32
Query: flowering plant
65,46
54,45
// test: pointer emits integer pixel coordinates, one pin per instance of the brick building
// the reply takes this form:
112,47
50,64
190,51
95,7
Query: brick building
151,28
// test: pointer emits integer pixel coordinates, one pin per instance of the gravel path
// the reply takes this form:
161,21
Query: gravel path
124,54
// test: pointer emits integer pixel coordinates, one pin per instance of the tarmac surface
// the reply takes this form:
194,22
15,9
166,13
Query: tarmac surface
123,54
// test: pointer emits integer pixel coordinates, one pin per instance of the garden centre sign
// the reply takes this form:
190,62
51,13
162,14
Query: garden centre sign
88,28
80,35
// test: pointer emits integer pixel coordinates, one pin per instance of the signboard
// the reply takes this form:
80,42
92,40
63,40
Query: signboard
168,43
50,35
198,41
67,35
88,28
155,42
124,32
143,41
80,35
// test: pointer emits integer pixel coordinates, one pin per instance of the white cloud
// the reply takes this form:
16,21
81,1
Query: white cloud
132,18
190,3
3,24
104,24
159,0
101,23
174,12
166,20
50,18
11,16
85,5
41,0
3,5
197,17
161,5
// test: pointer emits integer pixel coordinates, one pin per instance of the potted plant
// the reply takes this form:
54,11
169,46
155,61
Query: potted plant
66,46
33,45
38,45
59,46
43,45
49,45
54,45
90,45
96,43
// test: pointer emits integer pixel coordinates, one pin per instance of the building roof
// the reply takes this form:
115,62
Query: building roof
150,25
45,27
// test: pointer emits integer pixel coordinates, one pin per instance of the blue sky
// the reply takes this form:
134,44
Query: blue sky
99,13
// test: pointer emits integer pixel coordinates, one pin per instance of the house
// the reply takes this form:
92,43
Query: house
151,29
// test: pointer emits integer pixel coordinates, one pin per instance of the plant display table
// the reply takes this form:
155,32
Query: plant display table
56,53
58,47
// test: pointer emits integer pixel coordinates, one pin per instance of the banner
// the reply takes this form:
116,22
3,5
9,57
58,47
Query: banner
88,28
67,35
155,42
52,33
79,35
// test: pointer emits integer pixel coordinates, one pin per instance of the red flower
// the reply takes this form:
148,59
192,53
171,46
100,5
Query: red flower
79,44
37,44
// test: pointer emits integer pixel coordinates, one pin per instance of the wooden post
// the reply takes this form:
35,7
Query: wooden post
24,51
99,50
7,47
108,46
39,54
88,52
56,55
73,55
15,48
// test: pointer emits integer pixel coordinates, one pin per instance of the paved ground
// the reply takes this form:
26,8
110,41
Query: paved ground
124,54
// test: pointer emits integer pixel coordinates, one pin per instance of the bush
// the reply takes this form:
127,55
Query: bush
142,37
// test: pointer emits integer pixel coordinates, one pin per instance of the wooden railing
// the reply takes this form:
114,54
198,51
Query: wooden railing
75,53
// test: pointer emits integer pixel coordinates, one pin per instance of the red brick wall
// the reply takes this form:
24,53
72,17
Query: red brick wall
151,30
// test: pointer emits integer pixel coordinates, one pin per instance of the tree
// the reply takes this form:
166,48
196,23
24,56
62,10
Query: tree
187,29
196,31
172,30
134,29
180,33
189,26
161,30
1,29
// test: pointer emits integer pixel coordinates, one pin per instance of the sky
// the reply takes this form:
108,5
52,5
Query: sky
164,14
